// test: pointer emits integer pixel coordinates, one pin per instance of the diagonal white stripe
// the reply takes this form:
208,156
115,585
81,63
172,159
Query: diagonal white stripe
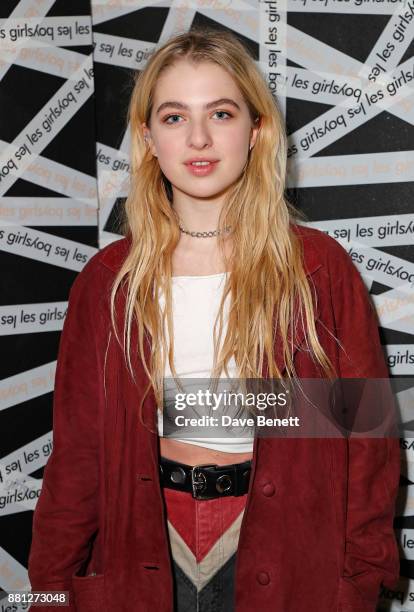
201,573
24,8
36,135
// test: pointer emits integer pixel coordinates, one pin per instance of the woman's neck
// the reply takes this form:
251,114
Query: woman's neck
199,257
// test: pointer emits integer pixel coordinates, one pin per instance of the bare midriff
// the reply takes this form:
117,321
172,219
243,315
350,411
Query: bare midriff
192,454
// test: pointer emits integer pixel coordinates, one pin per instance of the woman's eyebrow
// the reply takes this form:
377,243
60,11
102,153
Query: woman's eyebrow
177,104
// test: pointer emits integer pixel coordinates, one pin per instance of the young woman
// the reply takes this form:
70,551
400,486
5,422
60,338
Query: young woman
214,278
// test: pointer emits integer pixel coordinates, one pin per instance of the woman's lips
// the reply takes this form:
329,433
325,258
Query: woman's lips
202,170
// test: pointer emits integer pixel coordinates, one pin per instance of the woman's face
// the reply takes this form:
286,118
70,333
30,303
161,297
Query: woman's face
222,131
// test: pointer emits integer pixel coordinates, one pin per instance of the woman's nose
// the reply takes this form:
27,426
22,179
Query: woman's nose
199,135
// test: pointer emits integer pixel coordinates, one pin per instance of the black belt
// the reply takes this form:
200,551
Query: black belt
207,480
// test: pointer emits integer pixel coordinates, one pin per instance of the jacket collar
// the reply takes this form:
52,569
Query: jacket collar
114,254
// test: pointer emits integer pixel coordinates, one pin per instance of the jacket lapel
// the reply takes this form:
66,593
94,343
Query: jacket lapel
296,332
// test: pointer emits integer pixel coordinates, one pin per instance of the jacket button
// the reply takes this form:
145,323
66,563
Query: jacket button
268,489
263,578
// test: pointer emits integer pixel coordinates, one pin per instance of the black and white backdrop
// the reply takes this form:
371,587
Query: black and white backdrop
343,74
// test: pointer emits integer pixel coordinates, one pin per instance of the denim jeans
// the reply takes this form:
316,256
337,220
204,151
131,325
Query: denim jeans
203,537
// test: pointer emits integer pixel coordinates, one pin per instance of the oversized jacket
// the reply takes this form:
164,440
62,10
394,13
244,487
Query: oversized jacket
317,532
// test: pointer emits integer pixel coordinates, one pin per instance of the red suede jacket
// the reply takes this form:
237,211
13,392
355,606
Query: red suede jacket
321,533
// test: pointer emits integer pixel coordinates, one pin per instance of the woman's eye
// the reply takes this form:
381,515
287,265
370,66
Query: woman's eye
167,119
222,113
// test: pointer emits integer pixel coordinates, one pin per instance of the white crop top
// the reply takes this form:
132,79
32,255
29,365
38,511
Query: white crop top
195,303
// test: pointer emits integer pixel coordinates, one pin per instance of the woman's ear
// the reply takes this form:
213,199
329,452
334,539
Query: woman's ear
147,139
254,133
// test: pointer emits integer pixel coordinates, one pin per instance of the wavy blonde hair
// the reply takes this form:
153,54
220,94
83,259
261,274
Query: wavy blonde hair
268,285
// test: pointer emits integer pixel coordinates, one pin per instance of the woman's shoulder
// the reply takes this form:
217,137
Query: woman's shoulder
113,255
109,257
321,250
97,274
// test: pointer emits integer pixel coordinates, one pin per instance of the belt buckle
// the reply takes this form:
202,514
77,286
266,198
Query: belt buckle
198,481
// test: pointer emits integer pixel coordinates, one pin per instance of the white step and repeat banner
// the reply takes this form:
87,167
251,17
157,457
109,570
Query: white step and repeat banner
343,75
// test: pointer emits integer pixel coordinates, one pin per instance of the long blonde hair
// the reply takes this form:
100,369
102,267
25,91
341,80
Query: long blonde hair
268,284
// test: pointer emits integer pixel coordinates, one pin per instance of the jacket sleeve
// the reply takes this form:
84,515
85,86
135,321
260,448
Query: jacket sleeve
66,515
371,557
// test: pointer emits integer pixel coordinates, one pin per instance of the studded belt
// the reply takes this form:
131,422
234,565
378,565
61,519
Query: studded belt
207,480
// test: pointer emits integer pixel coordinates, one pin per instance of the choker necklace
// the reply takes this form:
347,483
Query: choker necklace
205,234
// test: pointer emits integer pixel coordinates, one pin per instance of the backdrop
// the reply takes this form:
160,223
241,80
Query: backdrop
342,73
